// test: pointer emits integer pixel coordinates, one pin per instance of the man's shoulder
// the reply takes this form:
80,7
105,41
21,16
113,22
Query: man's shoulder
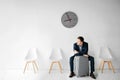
85,43
75,44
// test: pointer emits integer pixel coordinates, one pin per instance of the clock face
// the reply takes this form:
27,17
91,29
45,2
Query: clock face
69,19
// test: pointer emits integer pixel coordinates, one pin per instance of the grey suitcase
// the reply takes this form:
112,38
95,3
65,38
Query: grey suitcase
81,66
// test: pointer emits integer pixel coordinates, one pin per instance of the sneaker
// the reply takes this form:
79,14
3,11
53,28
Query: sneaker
92,76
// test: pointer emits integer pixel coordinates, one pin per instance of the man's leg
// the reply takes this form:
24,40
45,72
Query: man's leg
91,59
72,64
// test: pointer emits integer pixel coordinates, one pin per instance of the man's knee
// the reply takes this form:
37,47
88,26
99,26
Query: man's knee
91,58
71,58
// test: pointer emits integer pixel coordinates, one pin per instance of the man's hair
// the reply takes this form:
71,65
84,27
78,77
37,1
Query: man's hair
81,38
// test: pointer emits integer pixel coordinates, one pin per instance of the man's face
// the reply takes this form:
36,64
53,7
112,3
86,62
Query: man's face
79,42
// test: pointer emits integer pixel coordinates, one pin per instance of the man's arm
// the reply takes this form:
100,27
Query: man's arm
75,49
85,50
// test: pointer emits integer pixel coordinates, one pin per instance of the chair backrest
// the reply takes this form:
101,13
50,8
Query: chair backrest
105,53
55,54
32,54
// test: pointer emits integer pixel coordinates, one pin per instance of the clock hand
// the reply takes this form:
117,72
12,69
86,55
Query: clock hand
69,19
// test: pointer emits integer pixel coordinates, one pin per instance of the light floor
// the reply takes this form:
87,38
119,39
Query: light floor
55,75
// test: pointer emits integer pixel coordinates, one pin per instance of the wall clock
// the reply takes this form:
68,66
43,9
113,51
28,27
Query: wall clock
69,19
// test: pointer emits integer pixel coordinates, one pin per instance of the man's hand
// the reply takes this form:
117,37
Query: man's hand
86,55
75,51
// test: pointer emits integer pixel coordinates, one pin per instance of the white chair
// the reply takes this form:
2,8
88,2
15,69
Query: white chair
55,57
31,58
105,57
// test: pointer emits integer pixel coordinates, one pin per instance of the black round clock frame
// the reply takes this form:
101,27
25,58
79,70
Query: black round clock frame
69,19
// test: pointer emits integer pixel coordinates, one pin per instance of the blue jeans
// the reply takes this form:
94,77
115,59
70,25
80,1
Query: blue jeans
90,58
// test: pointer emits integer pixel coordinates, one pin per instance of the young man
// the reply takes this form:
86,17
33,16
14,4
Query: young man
80,48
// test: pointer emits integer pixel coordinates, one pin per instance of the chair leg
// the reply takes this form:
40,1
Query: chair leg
112,67
25,67
36,65
60,66
51,67
33,66
103,66
109,65
100,65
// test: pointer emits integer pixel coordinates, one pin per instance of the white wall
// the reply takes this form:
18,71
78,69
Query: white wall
37,23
